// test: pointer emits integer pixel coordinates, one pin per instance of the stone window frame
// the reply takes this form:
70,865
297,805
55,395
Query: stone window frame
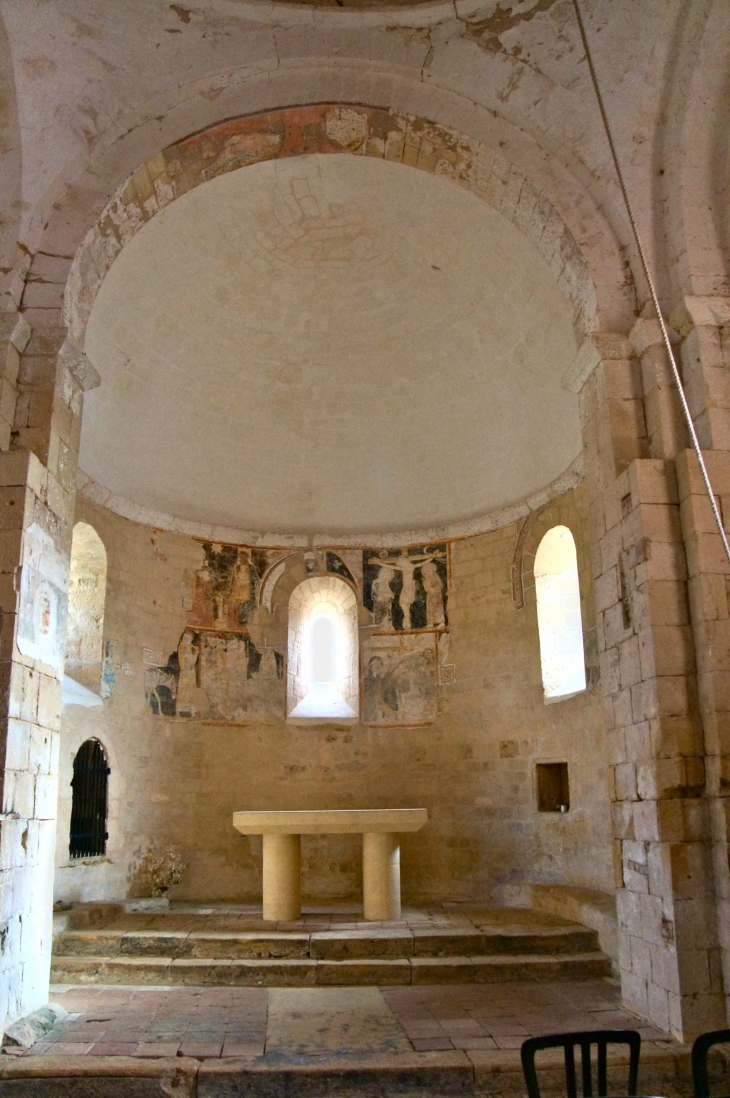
84,671
339,591
564,511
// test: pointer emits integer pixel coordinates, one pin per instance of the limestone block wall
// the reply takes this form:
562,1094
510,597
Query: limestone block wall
471,761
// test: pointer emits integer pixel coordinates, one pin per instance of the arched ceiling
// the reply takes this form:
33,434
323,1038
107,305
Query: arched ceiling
329,344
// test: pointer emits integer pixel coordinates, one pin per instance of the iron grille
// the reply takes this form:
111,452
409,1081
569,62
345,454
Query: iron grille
88,803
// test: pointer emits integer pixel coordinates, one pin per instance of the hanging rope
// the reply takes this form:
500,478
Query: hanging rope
652,289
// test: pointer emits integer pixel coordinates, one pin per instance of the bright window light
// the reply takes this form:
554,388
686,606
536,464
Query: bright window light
322,674
558,614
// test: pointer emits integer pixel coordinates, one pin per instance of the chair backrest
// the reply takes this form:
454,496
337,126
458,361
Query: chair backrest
568,1041
700,1048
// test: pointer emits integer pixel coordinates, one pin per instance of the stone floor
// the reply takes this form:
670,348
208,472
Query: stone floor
288,1023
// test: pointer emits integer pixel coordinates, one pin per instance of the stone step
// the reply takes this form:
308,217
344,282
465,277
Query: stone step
417,1074
330,945
310,972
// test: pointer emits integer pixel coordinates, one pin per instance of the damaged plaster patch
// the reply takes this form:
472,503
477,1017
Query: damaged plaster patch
347,127
154,870
488,32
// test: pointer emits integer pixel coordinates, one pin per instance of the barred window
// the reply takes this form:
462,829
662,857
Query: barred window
89,799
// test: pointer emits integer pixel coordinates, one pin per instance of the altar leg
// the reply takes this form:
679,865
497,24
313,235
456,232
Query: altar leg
380,876
282,877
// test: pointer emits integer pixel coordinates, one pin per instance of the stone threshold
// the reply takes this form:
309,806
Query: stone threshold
665,1069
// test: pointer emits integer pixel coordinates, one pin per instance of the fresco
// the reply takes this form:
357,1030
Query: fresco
224,670
223,591
218,676
399,679
217,672
406,589
43,605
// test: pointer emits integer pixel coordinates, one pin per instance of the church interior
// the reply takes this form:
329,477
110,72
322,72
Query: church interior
349,743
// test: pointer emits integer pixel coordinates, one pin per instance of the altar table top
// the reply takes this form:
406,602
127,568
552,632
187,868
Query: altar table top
330,821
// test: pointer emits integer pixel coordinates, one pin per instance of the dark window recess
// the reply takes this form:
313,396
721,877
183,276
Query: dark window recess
88,804
553,793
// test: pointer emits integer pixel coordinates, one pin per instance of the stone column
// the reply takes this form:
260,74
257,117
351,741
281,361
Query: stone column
380,876
37,497
282,886
668,954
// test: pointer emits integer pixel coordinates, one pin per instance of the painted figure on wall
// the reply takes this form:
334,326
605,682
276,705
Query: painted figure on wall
219,673
407,589
188,652
222,590
399,683
434,590
382,596
219,677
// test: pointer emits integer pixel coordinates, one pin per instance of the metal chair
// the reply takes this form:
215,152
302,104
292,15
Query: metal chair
567,1041
700,1049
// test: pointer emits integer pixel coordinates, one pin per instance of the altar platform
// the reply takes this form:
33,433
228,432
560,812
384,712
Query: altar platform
232,944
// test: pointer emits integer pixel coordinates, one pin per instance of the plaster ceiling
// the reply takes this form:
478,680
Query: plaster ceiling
328,344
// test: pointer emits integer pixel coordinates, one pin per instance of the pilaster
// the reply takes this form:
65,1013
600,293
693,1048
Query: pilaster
37,498
669,954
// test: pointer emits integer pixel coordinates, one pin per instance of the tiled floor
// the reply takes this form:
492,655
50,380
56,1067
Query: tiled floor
227,1021
185,1021
491,1016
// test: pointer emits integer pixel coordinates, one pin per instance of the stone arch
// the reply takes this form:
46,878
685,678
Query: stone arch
328,600
329,128
568,510
691,166
86,602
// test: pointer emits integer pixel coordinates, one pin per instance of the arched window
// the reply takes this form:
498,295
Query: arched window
322,676
86,597
88,804
558,614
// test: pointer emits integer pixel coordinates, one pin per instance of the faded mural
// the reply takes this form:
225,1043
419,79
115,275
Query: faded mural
222,670
217,672
399,679
407,589
43,606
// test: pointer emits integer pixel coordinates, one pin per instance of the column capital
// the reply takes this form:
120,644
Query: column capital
79,364
648,333
593,350
15,329
700,312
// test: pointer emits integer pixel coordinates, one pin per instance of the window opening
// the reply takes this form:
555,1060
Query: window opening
558,614
89,801
322,653
322,676
86,599
553,791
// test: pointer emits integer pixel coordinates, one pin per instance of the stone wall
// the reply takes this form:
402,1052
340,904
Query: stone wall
175,780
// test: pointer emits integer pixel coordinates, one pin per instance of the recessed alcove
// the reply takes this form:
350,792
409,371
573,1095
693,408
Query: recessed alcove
322,676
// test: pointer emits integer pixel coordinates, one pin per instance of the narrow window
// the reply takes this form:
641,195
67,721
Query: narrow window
553,792
558,614
86,598
88,803
322,674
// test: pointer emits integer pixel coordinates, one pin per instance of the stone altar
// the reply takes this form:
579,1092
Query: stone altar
282,831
